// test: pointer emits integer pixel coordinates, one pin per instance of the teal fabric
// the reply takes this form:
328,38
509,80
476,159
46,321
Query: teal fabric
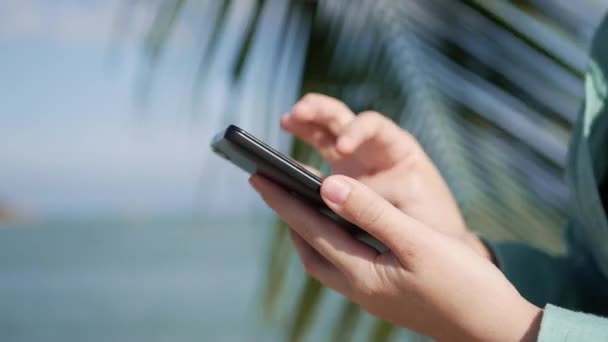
568,285
566,325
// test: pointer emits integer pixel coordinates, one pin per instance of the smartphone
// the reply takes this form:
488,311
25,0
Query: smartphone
255,157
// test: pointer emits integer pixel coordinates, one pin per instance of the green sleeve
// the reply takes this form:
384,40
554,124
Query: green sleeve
564,325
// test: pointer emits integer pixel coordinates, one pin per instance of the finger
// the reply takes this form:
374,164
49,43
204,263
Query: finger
331,241
322,110
314,135
376,128
363,207
317,266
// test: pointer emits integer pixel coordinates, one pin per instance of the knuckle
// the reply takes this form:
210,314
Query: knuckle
415,174
376,121
309,97
372,116
412,165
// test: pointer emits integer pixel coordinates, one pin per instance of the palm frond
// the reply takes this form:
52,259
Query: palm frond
347,322
490,88
307,304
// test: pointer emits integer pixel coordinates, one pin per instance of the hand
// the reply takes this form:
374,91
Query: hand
427,282
373,150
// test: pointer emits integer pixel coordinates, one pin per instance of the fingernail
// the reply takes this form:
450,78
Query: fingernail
336,190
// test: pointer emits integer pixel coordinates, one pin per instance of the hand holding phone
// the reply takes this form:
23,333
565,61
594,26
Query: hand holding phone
255,157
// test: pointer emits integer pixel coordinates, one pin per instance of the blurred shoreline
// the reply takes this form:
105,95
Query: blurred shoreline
10,218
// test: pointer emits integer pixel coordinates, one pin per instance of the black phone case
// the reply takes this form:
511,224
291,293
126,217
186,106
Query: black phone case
255,157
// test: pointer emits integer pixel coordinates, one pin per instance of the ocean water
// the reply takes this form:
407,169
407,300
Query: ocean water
155,281
162,281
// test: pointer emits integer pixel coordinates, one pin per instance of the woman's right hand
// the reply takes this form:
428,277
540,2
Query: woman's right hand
426,281
372,149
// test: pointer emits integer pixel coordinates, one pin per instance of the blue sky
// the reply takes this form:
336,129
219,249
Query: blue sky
71,143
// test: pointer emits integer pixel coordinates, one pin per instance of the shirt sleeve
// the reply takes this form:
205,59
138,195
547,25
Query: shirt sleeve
564,325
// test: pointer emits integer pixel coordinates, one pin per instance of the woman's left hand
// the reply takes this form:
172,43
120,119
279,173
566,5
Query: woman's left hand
427,282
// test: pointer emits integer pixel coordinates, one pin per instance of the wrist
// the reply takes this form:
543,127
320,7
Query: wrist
519,323
527,326
533,324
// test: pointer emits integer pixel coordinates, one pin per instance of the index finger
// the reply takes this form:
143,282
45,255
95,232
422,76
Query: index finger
322,110
375,128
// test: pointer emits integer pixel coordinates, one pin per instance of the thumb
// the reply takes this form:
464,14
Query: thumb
361,206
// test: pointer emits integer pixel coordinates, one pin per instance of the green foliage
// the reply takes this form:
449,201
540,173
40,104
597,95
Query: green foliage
246,47
348,318
489,88
278,259
381,332
220,21
161,28
308,303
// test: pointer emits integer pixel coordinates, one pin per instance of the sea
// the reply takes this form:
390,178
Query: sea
164,280
134,281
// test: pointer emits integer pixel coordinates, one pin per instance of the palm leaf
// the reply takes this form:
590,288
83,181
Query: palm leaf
307,304
347,323
490,88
